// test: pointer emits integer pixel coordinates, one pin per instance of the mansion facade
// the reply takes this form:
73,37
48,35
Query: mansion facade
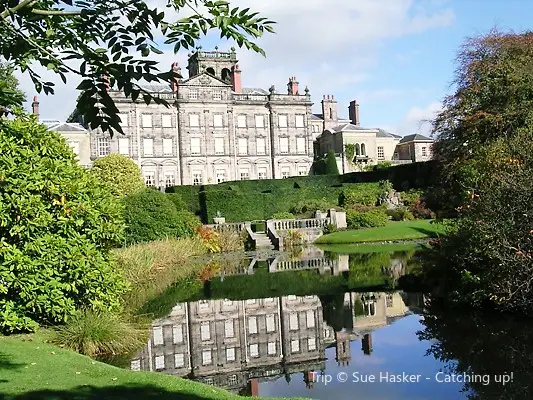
215,130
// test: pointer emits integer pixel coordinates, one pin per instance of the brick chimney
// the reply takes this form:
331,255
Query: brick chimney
353,112
292,86
105,78
175,81
35,107
236,79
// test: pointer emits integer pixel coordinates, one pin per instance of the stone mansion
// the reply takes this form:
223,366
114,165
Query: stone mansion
216,130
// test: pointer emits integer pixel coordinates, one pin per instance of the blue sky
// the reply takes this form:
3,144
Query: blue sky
396,57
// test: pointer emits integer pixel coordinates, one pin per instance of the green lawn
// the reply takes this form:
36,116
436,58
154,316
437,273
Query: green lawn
354,248
31,369
402,230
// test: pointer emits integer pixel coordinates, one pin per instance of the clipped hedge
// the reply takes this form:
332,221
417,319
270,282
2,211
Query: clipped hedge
366,219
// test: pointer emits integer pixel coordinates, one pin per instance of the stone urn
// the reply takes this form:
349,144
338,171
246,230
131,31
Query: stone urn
219,219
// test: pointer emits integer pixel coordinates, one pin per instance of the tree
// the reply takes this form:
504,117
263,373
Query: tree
10,94
109,42
331,167
57,226
121,173
485,147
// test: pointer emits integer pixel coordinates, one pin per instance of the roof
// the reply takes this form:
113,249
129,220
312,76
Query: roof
384,134
348,127
67,127
254,91
156,88
415,138
320,117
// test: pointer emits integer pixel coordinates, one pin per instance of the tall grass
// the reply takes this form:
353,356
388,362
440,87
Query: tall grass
152,267
97,333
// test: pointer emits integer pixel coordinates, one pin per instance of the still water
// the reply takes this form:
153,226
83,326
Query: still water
312,331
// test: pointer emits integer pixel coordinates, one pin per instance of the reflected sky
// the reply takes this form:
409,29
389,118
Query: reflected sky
396,350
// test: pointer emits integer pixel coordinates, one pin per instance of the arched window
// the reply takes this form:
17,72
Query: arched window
226,75
357,149
210,71
363,149
330,113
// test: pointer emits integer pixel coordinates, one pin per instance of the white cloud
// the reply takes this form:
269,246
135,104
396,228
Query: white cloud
418,120
329,46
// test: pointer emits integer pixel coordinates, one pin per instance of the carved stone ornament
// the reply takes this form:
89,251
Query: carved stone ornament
204,80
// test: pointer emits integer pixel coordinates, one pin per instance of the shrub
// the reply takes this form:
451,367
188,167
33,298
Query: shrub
57,225
293,239
151,215
100,333
366,194
420,211
178,201
283,215
309,206
331,167
411,196
400,214
329,228
121,173
368,219
230,241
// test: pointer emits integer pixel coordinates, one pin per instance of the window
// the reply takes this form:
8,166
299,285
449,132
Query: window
250,301
170,179
230,354
157,335
302,170
311,344
252,324
232,380
244,174
268,299
148,147
293,322
102,146
147,120
217,95
195,146
208,381
241,121
295,346
310,318
363,149
261,146
160,362
254,350
381,153
270,323
149,178
124,146
390,301
177,334
166,120
327,333
219,145
285,172
271,348
300,145
282,121
218,121
167,146
205,331
424,152
206,357
259,121
228,328
123,119
291,297
135,365
221,175
283,145
203,304
194,120
261,173
179,360
299,121
193,94
75,146
243,146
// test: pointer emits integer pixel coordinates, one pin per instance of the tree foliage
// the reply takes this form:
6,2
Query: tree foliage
485,144
331,167
10,94
57,225
110,42
121,173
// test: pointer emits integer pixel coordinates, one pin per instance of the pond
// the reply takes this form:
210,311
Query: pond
329,325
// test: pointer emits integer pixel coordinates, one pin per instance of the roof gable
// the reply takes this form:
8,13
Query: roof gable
415,138
67,127
204,79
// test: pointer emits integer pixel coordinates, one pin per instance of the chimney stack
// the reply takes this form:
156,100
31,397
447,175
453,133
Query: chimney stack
176,69
353,113
105,78
35,107
292,86
236,79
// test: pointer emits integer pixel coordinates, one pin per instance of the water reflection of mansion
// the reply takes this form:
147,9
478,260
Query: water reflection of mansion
235,344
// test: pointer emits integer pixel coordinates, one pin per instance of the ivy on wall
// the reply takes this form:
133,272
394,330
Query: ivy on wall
349,150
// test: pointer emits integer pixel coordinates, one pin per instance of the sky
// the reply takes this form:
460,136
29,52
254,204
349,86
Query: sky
395,57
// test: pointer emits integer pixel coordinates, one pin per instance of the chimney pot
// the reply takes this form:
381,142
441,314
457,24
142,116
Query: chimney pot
35,107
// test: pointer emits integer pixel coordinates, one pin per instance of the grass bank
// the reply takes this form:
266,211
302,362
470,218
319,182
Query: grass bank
355,248
401,230
32,369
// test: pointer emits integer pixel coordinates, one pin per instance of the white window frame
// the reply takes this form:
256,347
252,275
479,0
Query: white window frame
381,153
293,322
270,322
241,121
254,350
149,178
168,146
285,172
166,120
123,119
157,336
196,146
259,121
242,144
260,146
103,145
310,318
229,328
300,121
221,175
217,95
300,145
262,173
230,354
311,344
207,357
271,348
295,345
218,120
424,151
244,174
179,360
146,120
194,120
124,146
177,334
170,179
197,179
283,120
302,171
160,362
252,325
219,146
193,94
205,331
148,147
284,145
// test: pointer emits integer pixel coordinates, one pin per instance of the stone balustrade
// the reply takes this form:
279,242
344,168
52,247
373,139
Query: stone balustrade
229,226
296,224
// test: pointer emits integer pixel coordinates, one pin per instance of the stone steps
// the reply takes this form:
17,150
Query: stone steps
262,241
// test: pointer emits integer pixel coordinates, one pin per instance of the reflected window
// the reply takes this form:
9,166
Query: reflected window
205,331
390,301
179,360
254,350
295,346
206,357
232,380
271,349
230,354
157,335
160,362
311,344
252,325
270,323
228,328
293,322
